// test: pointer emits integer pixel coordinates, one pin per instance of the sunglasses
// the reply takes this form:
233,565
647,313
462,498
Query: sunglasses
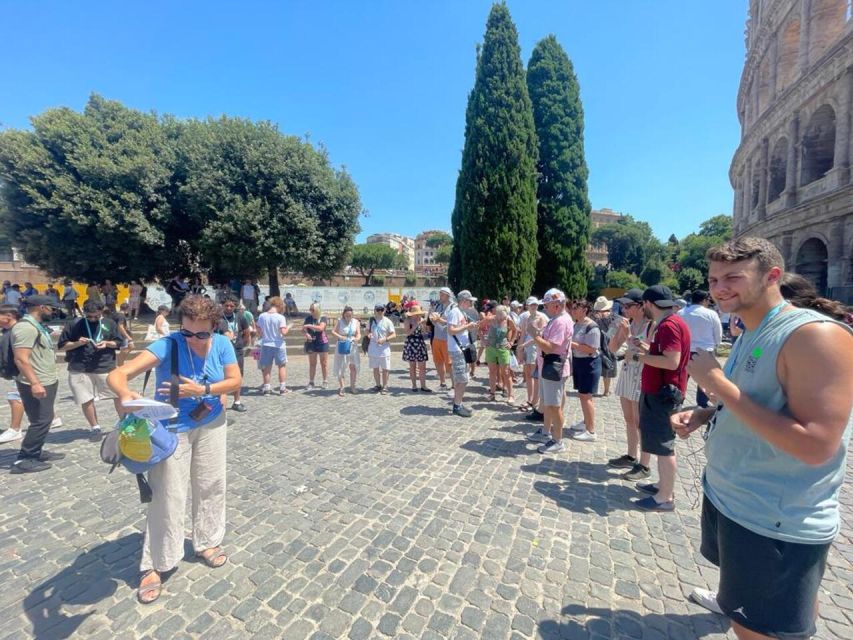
201,335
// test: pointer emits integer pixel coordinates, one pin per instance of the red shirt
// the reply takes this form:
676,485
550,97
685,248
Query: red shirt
672,334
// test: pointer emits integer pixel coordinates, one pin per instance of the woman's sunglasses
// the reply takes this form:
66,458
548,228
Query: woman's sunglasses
201,335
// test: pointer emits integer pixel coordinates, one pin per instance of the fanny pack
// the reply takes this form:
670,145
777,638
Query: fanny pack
467,351
552,367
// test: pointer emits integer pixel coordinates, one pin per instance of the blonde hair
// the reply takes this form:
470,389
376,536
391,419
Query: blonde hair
501,312
314,307
276,302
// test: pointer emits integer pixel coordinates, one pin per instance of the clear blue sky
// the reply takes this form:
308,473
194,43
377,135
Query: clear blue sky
384,84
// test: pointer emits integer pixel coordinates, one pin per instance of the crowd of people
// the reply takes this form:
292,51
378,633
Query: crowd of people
776,417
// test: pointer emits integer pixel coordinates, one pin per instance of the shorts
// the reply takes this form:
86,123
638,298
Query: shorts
270,354
459,368
768,586
85,386
530,354
379,362
628,383
494,355
314,347
439,352
123,344
656,434
586,373
551,392
13,396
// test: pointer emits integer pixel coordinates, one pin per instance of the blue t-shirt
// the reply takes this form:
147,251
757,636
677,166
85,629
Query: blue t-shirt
199,369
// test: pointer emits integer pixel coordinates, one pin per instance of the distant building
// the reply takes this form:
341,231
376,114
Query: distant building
403,245
425,255
597,254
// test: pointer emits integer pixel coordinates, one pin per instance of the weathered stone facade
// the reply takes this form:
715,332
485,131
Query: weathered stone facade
791,173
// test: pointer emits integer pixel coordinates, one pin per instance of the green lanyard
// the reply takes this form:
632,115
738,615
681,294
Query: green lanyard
100,333
41,328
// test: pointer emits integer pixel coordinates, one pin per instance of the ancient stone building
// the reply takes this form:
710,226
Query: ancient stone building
791,172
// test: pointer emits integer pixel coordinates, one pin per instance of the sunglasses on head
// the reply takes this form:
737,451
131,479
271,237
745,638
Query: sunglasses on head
201,335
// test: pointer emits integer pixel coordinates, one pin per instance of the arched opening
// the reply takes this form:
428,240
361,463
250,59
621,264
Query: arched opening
811,263
827,25
755,187
819,145
789,51
778,169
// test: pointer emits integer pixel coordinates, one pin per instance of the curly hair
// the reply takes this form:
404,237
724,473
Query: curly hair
747,248
195,307
800,292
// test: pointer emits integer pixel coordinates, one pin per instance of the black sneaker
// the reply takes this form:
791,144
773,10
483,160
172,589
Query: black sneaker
622,462
239,407
426,390
462,411
637,472
50,456
29,465
535,416
442,386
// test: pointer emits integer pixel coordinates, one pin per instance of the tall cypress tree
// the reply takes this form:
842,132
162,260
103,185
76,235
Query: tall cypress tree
494,219
564,209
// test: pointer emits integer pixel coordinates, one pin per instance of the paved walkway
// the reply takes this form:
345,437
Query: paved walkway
373,517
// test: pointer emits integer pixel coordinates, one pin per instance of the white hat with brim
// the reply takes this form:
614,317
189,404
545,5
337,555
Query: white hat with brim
602,304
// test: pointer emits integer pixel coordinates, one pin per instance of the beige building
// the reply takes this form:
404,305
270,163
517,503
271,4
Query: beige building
597,254
403,245
791,172
425,255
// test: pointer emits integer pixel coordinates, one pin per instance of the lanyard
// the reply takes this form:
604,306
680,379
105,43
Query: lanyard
192,362
731,363
232,324
41,328
100,333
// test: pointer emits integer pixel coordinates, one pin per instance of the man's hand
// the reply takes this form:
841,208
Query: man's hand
38,390
639,345
705,369
686,422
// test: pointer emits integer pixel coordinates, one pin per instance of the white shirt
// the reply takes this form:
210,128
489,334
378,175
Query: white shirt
248,292
379,329
454,318
13,296
706,330
269,326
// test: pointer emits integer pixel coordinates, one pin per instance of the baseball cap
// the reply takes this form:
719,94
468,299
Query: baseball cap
446,290
464,295
632,296
660,296
532,300
680,302
40,301
379,307
514,303
553,295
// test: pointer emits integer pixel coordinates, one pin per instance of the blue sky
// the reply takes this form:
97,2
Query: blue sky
384,84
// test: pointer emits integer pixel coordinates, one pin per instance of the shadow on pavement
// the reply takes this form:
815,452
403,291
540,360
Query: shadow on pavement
416,410
500,448
93,577
606,623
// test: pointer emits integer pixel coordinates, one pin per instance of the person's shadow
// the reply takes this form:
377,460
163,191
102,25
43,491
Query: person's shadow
94,577
622,623
501,448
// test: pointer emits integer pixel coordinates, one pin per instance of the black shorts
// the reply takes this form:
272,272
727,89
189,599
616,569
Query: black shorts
656,434
766,585
586,373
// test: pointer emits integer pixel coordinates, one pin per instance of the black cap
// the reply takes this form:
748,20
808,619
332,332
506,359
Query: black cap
40,301
631,296
660,296
379,307
698,296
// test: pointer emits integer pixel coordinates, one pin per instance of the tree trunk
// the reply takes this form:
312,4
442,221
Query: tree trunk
274,288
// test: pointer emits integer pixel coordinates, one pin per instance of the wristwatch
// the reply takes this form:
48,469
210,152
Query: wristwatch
635,357
207,388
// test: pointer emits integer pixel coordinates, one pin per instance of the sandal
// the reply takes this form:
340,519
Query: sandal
211,557
341,393
155,588
490,397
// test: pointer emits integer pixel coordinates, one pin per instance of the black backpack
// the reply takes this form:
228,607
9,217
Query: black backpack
8,368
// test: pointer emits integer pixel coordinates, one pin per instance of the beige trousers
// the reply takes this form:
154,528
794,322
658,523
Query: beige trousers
198,463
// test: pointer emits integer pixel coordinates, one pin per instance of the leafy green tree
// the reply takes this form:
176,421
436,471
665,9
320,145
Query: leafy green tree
690,279
443,254
622,280
439,240
367,258
629,243
719,226
563,201
86,195
494,218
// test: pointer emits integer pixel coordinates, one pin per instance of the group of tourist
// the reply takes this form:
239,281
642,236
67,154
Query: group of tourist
776,427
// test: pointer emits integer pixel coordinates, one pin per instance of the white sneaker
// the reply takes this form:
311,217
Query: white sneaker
57,422
10,435
578,426
540,435
552,446
585,436
706,598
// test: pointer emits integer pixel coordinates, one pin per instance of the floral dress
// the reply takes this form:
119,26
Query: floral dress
415,349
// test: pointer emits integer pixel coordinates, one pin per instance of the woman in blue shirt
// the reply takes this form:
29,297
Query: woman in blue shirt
208,370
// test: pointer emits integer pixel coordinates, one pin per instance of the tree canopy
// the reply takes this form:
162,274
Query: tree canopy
368,257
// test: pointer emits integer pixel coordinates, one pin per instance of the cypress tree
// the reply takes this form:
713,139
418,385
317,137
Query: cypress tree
494,218
563,209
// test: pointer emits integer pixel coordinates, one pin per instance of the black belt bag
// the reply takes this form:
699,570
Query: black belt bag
552,367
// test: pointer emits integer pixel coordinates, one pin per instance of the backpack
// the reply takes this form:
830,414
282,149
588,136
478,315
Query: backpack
163,441
8,368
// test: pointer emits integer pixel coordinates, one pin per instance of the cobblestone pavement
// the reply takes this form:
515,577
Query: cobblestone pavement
373,517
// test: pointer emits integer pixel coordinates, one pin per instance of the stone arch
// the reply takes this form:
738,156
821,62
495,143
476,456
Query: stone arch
811,262
755,185
818,145
828,19
763,87
787,65
778,169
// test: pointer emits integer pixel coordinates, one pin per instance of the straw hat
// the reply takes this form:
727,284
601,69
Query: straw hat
602,304
415,310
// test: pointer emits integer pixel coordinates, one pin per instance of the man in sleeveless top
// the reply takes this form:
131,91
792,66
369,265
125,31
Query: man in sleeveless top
776,447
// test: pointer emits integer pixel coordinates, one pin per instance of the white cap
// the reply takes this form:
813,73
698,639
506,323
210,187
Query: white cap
553,295
532,300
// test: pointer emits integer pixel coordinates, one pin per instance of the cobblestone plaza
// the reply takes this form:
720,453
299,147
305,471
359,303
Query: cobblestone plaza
375,517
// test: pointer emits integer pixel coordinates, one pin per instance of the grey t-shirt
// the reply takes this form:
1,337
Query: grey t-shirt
588,333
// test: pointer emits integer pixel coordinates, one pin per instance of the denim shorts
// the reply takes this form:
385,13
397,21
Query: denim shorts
270,355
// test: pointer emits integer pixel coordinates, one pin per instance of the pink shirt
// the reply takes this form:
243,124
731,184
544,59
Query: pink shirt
559,331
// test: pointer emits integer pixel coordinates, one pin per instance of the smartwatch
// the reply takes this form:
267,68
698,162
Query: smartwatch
207,388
